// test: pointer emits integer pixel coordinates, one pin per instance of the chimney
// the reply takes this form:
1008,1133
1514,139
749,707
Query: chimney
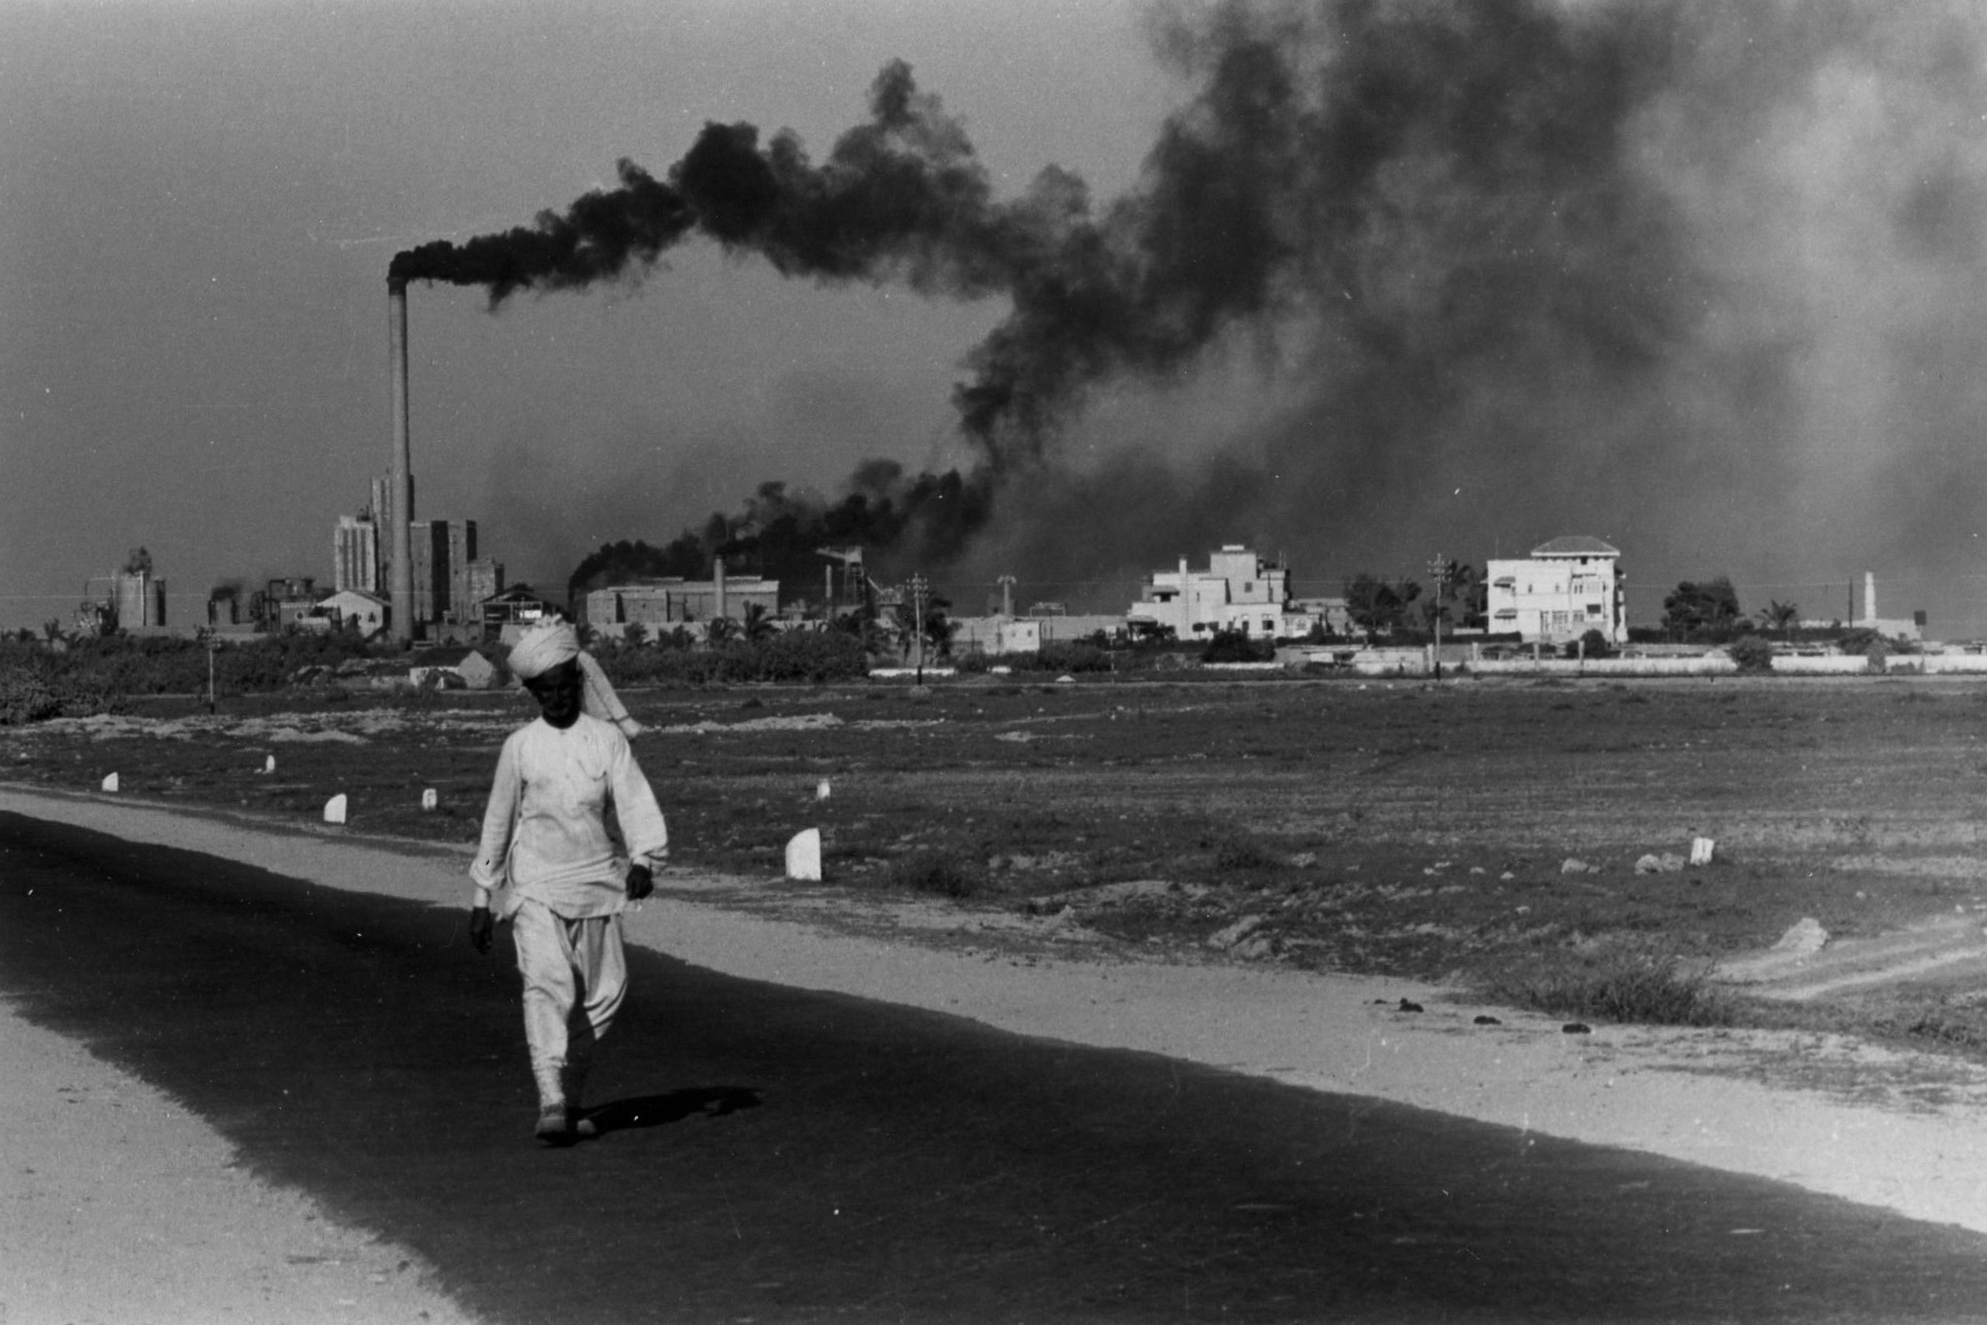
717,578
1869,597
401,488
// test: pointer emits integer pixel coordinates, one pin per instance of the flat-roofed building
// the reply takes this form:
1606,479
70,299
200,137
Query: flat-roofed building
1567,587
667,603
1239,592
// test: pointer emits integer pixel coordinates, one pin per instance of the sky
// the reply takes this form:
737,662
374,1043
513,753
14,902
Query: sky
1354,283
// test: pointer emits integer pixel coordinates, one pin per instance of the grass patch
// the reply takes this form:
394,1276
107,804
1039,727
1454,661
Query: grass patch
1238,854
1620,981
1950,1020
940,872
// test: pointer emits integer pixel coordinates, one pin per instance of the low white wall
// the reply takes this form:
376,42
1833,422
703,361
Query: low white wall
1704,665
1944,663
1718,664
1824,664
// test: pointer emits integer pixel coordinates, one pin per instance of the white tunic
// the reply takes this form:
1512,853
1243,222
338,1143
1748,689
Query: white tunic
545,831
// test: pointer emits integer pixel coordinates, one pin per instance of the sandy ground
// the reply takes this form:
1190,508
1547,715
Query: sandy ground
121,1207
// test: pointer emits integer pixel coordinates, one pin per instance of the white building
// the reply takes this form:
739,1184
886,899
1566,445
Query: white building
1027,634
365,612
1566,588
1239,591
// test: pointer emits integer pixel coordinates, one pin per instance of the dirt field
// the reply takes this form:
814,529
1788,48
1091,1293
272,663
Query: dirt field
1394,828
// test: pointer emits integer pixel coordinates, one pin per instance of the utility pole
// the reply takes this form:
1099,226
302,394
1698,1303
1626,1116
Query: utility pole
1438,571
919,589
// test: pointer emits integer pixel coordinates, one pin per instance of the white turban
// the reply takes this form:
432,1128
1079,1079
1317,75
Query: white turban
546,645
543,647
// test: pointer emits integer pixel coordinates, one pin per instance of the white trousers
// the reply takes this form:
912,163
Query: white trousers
575,976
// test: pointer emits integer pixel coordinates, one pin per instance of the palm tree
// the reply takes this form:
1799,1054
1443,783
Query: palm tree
758,623
1780,616
719,629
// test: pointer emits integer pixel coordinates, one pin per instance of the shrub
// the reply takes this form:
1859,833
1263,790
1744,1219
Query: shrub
1623,981
95,672
1234,646
936,872
1859,639
797,655
1593,644
1242,854
1061,656
1752,654
34,692
26,697
810,655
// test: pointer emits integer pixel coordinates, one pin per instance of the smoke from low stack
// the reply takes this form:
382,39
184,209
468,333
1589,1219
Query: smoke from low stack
1681,273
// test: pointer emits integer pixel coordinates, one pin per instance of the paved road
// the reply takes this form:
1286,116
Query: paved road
775,1155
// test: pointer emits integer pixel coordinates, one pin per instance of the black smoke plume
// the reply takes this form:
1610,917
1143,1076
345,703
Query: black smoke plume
914,520
1676,272
904,197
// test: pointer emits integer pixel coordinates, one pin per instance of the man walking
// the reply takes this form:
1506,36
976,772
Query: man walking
547,864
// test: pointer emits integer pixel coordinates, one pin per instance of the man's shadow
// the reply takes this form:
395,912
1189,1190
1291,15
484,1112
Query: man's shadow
671,1107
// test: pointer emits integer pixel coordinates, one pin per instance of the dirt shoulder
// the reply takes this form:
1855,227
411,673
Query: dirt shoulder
1890,1128
121,1206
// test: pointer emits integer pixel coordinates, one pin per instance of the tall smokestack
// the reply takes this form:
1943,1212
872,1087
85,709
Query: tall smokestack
1870,596
401,581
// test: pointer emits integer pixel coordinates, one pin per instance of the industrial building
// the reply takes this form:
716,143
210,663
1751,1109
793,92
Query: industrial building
140,599
665,604
450,581
441,553
1567,587
132,600
287,603
355,554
